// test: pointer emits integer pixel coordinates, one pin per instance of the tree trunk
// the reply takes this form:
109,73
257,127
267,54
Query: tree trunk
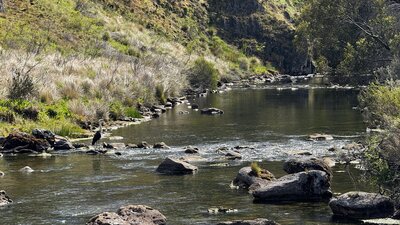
2,7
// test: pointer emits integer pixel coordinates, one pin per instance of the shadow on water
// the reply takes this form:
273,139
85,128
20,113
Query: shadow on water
69,189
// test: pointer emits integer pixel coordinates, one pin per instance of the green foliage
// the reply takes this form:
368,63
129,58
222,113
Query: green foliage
132,112
221,49
204,74
256,169
22,86
160,94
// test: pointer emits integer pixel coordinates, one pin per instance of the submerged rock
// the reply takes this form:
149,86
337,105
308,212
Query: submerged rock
129,215
176,167
161,145
216,210
313,185
300,165
362,205
212,111
259,221
80,145
246,178
26,169
320,137
113,145
4,199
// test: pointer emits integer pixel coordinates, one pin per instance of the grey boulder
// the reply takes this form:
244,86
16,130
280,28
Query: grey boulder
176,167
300,165
313,185
245,178
362,205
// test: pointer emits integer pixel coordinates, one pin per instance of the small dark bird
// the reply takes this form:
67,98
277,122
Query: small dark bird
97,135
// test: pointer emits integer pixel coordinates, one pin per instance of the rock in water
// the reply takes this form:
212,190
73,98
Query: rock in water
130,215
161,145
2,173
24,143
300,165
320,137
176,167
362,205
61,143
212,111
313,185
245,178
259,221
191,150
26,169
4,199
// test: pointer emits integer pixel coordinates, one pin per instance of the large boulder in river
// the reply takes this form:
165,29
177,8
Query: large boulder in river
211,111
176,167
259,221
4,199
362,205
20,142
299,165
129,215
246,178
48,135
313,185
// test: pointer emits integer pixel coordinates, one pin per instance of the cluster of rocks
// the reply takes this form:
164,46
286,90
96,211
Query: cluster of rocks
38,141
155,111
4,199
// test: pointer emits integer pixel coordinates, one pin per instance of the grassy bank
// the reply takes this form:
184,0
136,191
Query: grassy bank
72,62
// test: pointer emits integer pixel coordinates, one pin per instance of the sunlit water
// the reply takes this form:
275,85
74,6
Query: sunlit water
71,188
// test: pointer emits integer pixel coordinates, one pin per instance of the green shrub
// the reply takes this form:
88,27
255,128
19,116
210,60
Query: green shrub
132,112
160,94
244,64
22,86
256,169
204,74
117,110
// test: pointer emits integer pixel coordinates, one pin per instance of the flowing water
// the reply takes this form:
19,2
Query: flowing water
71,188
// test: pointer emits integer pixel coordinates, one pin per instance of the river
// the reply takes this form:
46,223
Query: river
274,121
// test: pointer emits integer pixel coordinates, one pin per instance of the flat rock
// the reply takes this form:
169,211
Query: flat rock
114,145
233,155
130,215
131,146
176,167
313,185
259,221
299,165
192,158
4,199
362,205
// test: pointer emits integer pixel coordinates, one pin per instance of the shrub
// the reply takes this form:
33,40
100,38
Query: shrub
132,112
204,74
21,87
244,64
160,94
117,110
256,169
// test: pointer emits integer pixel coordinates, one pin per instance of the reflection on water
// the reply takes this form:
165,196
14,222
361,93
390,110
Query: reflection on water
69,189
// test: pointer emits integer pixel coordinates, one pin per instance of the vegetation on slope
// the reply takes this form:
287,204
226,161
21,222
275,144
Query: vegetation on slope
103,58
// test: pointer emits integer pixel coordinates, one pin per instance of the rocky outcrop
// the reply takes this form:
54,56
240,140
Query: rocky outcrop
61,143
4,199
362,205
313,185
24,143
246,178
44,134
129,215
176,167
211,111
250,222
299,165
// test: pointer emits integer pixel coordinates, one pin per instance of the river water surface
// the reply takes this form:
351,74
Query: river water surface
71,188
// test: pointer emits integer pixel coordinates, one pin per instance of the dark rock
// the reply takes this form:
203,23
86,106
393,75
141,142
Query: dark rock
212,111
362,205
2,174
96,152
246,178
169,105
396,215
158,108
144,144
20,142
130,215
62,144
300,165
284,79
44,134
118,153
191,150
4,199
313,185
80,145
195,106
161,145
176,167
155,115
250,222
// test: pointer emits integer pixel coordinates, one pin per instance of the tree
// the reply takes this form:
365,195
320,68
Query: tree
353,36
